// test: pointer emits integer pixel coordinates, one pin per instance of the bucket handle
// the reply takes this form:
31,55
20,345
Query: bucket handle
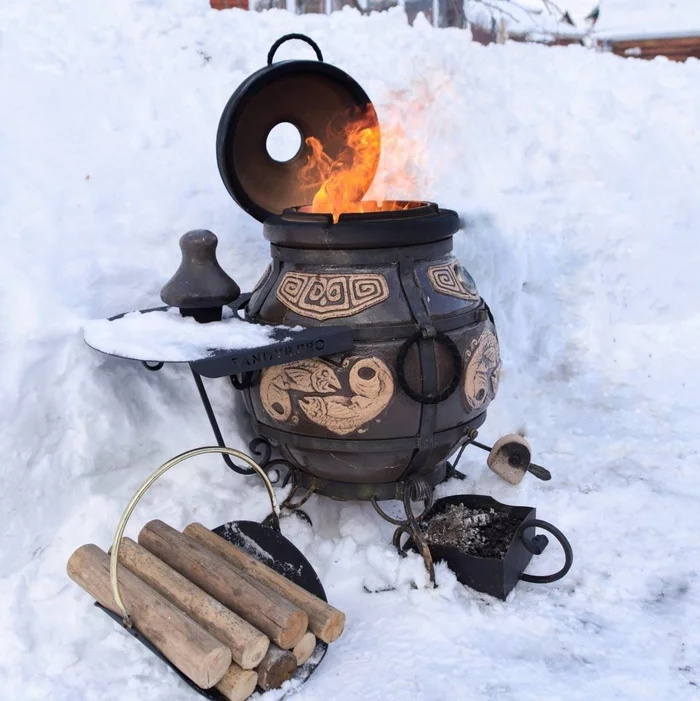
114,550
289,37
537,549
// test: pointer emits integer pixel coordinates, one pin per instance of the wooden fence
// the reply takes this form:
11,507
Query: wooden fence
674,47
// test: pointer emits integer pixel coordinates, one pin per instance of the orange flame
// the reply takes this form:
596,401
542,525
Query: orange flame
340,183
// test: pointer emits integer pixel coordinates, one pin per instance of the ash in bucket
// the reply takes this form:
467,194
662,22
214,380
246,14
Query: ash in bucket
480,532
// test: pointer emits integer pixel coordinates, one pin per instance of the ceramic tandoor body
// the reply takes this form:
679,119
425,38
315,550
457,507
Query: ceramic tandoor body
425,360
368,417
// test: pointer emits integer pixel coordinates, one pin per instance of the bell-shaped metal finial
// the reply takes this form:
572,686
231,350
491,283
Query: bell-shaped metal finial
200,287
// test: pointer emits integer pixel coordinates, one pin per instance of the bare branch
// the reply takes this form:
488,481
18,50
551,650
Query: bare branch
497,8
549,7
553,8
359,8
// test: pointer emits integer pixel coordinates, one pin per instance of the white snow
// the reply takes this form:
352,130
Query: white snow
166,336
577,175
617,17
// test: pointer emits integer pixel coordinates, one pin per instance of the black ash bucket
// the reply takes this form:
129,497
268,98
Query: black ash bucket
502,544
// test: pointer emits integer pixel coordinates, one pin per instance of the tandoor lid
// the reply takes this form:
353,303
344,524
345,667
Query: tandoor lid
318,100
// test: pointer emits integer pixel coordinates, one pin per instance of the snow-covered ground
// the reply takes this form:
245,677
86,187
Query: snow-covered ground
577,174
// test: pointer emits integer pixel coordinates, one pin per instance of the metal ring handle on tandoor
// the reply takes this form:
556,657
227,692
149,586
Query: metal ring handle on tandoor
444,340
114,550
246,381
289,37
563,541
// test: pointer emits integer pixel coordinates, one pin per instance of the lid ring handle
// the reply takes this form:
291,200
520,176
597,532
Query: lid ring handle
289,37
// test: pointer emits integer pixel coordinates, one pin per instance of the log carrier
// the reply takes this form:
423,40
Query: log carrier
192,628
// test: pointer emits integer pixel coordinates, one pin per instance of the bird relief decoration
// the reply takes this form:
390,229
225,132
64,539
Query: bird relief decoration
316,388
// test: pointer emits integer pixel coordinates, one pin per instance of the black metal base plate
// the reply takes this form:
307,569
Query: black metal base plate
272,548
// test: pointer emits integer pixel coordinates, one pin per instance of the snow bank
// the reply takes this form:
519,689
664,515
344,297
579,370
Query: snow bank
576,174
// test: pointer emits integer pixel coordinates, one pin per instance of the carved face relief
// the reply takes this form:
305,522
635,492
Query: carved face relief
320,392
453,280
483,363
329,296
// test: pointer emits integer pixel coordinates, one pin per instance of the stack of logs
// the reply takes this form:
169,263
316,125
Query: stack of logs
219,615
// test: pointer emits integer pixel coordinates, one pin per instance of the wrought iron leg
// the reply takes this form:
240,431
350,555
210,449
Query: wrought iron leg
261,448
416,489
294,507
452,470
215,424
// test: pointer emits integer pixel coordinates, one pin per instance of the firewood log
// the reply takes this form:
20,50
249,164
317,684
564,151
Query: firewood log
237,684
325,621
276,668
194,651
304,648
248,645
280,620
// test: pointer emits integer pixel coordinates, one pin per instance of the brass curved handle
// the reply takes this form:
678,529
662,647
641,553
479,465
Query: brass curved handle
114,550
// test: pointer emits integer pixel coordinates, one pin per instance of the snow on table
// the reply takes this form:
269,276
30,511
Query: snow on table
166,336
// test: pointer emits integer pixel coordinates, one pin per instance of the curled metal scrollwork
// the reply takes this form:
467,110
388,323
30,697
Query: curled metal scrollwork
262,450
274,474
415,489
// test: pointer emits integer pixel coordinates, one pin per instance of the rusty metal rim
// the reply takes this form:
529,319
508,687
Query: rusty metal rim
404,209
360,256
361,233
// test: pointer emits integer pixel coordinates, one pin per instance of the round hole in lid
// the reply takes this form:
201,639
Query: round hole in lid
283,142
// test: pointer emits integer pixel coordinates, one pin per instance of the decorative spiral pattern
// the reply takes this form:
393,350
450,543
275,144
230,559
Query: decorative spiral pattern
453,280
328,296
